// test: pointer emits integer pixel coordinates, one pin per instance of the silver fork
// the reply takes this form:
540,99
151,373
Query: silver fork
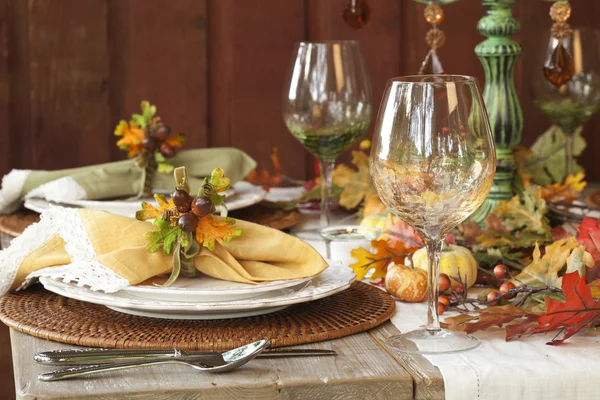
232,359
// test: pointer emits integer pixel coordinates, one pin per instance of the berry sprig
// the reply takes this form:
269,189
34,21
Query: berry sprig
455,299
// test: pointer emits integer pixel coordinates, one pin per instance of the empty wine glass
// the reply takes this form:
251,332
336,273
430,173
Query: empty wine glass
327,104
569,105
433,162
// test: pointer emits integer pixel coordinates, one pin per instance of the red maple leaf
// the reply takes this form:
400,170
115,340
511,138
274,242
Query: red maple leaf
589,236
577,312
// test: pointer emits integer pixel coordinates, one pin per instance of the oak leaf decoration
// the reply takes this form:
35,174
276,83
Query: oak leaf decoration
577,312
211,228
385,253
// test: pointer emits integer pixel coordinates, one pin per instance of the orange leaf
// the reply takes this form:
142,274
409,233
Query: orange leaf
480,320
579,310
263,177
149,212
211,228
385,253
566,192
131,138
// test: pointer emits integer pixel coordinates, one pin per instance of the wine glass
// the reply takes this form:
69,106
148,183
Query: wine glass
572,104
432,163
327,104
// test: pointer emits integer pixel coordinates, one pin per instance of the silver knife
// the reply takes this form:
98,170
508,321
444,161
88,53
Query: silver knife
99,355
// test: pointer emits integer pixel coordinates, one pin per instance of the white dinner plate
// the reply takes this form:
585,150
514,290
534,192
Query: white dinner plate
333,280
244,194
206,289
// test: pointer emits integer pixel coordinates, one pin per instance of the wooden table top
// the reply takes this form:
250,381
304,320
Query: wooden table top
364,368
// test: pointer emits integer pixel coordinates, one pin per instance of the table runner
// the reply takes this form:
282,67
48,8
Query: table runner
522,369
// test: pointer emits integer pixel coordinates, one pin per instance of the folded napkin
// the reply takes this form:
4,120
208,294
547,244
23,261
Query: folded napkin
117,179
108,252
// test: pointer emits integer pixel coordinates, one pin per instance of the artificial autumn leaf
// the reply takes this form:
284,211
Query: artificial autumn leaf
546,162
211,228
588,234
131,138
566,192
482,319
543,271
177,140
578,311
524,212
264,177
166,235
356,184
148,111
385,253
149,212
220,183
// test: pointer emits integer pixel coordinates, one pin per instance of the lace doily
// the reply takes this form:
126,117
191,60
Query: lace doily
61,189
10,191
83,269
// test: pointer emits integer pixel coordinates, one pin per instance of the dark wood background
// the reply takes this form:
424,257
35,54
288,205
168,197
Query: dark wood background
71,69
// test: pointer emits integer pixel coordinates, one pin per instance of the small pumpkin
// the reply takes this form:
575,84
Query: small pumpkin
406,283
455,261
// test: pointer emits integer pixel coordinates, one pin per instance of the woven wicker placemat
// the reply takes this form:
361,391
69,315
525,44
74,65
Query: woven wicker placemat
49,316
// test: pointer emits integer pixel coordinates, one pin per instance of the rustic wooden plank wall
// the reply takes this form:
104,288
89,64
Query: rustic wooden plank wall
71,69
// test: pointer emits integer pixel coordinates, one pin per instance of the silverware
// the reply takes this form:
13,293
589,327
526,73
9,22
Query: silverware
100,355
231,359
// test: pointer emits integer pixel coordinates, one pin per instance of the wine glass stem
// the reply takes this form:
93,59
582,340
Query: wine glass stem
434,250
569,143
326,168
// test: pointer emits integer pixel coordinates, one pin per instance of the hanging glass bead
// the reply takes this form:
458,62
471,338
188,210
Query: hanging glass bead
434,14
560,11
559,68
431,64
435,38
357,14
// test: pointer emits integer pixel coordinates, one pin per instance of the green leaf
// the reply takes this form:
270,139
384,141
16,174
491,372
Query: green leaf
218,180
546,164
164,168
159,158
148,110
166,235
527,211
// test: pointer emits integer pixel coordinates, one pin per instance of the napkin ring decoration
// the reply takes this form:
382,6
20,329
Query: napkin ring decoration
187,223
150,142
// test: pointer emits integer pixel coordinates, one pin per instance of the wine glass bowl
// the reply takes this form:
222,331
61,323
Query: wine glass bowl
432,163
327,103
572,104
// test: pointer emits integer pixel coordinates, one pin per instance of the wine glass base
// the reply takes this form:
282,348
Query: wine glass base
440,341
310,235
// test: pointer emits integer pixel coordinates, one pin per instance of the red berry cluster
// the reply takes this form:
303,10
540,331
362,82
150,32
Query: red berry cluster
190,209
156,139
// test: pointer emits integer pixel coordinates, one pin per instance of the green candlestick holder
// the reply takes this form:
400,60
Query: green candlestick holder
498,55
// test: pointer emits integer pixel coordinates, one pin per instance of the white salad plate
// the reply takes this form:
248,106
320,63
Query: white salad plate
333,280
244,195
206,289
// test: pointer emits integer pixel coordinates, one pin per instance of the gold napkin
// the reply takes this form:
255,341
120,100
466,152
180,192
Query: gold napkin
108,252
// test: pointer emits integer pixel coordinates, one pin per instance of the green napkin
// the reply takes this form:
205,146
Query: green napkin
118,179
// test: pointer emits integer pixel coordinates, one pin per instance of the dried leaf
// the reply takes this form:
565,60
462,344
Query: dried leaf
588,234
265,178
385,253
579,310
356,184
543,271
546,163
566,192
482,319
131,138
211,228
524,212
